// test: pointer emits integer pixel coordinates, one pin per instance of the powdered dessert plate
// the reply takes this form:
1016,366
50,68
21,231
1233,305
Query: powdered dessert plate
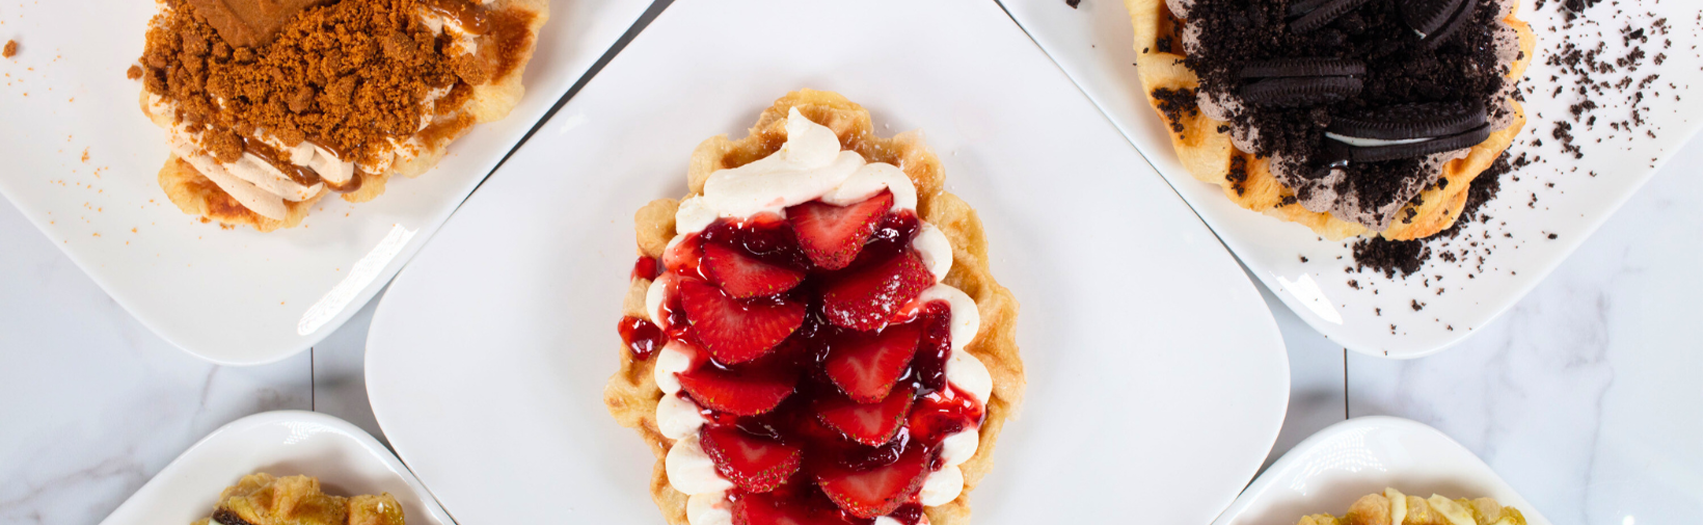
1542,212
1335,466
488,357
84,171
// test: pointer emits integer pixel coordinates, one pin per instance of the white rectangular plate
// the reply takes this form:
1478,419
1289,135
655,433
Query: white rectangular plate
1377,315
1146,347
82,164
346,460
1331,469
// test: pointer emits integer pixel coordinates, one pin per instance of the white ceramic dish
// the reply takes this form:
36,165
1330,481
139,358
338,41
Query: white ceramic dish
1093,45
84,172
1332,468
346,460
1147,348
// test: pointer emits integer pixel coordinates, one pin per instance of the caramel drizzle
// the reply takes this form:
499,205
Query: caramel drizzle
469,16
299,174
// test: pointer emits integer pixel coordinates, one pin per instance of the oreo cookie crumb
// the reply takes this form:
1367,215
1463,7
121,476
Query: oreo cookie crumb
1391,257
1073,3
1176,104
1238,174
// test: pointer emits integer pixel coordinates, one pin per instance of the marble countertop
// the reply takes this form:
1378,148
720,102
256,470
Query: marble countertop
1585,396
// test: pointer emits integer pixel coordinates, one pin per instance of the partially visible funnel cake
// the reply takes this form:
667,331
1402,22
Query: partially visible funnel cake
263,499
812,336
1392,507
270,105
1352,117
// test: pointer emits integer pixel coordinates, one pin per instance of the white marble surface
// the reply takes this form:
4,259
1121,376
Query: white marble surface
1585,397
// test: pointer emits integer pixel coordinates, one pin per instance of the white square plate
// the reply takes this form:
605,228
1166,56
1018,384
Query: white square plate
346,460
1331,469
1093,44
84,170
1146,347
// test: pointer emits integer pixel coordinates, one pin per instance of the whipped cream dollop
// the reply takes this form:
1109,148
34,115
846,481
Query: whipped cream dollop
811,165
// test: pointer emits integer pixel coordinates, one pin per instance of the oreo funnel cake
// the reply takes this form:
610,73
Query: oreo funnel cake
1352,117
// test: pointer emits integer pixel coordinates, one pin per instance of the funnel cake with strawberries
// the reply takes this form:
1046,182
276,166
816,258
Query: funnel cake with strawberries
812,335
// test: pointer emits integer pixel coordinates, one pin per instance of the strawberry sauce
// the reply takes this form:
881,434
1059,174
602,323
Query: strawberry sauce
645,268
842,417
642,338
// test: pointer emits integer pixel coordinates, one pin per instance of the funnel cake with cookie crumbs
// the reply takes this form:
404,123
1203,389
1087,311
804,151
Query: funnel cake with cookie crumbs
1351,117
812,335
263,499
1395,508
270,105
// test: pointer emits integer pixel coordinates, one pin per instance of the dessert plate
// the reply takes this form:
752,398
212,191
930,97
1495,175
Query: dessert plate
1146,347
1332,468
346,460
1547,209
84,171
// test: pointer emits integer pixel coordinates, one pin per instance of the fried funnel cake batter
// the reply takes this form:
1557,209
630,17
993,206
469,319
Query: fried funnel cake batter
632,393
1204,147
262,499
1377,509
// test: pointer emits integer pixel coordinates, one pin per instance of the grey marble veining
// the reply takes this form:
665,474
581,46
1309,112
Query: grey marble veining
1585,395
92,404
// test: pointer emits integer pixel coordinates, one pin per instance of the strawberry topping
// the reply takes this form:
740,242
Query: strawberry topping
769,509
871,424
824,399
734,330
747,394
867,298
753,464
744,276
832,235
877,491
866,366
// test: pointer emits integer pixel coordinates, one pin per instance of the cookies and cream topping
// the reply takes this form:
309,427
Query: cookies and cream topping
1470,47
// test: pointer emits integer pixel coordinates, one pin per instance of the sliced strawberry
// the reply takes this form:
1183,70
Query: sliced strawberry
832,235
684,256
754,464
865,368
775,509
747,394
736,331
744,276
878,491
865,300
871,424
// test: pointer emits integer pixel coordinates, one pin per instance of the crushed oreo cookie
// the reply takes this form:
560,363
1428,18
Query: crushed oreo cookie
1464,68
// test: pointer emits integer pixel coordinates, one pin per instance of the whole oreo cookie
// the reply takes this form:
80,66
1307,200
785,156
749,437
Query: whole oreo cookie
1297,82
1435,21
1405,130
1308,15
